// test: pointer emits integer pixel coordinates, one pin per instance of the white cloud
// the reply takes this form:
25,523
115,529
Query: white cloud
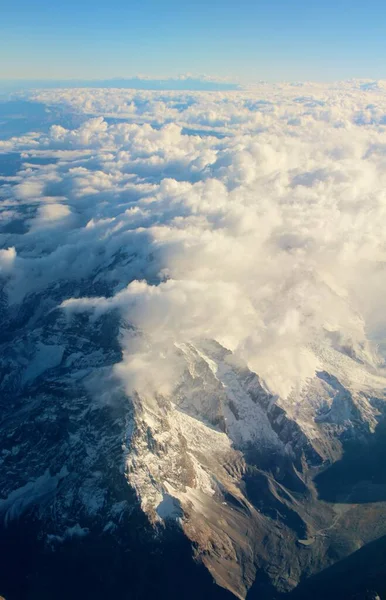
263,239
51,214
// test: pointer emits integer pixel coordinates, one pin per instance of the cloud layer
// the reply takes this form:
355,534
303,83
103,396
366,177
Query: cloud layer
255,218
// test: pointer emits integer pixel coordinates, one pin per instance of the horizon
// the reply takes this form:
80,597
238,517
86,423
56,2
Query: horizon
182,82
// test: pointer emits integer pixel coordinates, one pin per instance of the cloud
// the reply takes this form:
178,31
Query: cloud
252,217
51,214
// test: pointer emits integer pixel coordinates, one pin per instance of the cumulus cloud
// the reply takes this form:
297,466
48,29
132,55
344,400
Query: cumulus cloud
252,217
51,214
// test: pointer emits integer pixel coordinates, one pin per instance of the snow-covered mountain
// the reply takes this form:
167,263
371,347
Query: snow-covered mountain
192,339
219,456
195,455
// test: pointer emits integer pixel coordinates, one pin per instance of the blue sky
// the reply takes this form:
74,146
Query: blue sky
244,39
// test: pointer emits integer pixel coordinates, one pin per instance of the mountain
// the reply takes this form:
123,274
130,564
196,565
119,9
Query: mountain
265,488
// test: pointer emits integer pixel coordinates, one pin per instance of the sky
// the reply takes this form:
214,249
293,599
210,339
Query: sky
247,40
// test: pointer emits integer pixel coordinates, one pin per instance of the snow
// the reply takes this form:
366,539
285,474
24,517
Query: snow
168,508
251,424
340,383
